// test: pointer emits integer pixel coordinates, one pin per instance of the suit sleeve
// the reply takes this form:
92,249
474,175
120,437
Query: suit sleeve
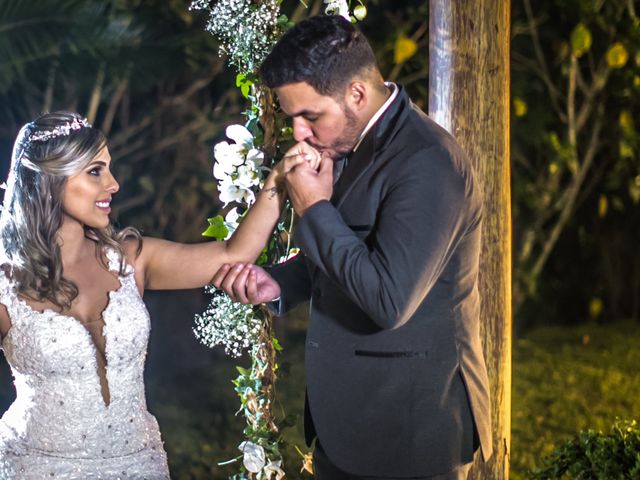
294,281
419,222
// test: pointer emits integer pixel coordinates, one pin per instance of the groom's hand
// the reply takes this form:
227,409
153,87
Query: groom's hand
247,284
305,151
301,152
307,186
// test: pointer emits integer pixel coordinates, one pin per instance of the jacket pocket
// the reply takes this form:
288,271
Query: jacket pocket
390,354
360,228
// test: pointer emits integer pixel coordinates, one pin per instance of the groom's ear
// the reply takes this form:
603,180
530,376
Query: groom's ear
357,96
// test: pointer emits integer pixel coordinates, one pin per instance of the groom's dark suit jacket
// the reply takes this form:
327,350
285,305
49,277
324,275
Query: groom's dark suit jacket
395,372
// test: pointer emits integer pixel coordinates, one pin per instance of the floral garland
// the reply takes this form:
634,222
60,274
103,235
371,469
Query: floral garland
247,30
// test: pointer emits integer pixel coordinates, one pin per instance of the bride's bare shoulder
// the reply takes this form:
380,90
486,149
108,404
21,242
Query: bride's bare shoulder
132,248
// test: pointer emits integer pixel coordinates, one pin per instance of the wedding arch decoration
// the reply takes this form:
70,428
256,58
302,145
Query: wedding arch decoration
247,30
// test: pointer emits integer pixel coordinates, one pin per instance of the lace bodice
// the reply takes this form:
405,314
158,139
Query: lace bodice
60,426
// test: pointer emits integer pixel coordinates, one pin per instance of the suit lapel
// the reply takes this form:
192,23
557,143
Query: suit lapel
374,142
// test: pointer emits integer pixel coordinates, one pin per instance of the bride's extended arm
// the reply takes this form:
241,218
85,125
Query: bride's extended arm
169,265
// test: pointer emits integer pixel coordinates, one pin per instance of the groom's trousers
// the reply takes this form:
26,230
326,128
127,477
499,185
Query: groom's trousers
324,469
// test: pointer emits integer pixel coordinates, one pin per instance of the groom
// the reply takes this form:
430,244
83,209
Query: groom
390,236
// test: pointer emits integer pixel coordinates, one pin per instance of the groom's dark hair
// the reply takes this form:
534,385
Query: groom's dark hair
325,51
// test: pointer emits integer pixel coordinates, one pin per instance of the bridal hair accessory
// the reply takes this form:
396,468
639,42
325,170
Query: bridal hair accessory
59,131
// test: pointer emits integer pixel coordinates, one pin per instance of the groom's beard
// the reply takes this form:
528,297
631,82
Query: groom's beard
343,145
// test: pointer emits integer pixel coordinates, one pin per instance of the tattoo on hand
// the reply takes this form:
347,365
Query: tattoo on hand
274,191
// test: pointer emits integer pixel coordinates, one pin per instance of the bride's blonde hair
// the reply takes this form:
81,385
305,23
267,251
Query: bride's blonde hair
46,153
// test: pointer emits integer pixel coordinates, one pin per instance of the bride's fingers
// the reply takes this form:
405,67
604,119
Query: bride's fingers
240,285
292,161
310,154
227,282
306,152
301,147
252,286
314,161
219,276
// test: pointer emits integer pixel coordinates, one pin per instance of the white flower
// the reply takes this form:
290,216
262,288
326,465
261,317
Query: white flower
337,7
248,197
229,192
254,457
270,469
256,156
231,221
232,216
247,175
237,166
220,172
228,157
240,134
229,153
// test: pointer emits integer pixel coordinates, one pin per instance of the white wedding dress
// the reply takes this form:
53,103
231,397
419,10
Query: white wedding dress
60,426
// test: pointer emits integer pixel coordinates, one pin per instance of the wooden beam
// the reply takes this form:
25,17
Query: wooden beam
469,96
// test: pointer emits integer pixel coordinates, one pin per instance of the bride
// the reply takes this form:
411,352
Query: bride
74,327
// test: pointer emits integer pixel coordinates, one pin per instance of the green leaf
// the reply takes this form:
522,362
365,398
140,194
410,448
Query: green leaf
244,83
216,229
276,344
625,149
617,55
404,49
283,22
245,89
580,40
263,258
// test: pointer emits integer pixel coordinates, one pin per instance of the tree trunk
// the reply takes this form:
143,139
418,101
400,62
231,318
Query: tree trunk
469,96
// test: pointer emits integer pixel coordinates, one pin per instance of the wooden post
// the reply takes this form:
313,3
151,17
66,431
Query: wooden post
469,96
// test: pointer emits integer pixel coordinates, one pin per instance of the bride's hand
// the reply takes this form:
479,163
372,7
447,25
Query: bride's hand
246,284
309,153
299,153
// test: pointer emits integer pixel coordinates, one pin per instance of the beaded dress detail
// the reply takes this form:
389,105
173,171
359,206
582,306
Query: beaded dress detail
60,427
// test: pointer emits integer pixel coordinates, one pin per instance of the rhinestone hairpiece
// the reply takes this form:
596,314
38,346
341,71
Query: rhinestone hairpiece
59,131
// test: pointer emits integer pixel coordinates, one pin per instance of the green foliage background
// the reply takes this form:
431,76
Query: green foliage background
567,379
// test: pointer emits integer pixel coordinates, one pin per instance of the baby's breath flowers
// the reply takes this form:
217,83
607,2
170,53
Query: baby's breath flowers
247,29
225,323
